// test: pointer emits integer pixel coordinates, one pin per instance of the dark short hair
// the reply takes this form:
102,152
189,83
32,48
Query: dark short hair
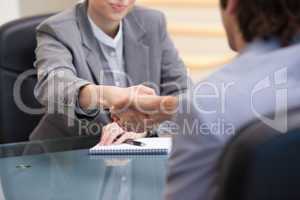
268,18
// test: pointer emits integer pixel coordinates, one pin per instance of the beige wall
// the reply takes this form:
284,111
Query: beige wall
13,9
31,7
9,9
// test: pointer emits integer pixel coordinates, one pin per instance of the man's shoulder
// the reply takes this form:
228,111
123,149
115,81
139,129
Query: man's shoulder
66,18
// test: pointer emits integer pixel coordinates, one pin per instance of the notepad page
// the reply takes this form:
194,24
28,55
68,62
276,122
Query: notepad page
150,144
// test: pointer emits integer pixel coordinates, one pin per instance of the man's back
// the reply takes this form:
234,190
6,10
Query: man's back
264,79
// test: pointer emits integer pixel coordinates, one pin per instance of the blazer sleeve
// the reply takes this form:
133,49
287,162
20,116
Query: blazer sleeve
174,79
58,86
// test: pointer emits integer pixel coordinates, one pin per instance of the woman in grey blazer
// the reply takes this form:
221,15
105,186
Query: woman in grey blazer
96,55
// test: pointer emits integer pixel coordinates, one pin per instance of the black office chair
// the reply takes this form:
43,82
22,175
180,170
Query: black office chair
17,45
262,164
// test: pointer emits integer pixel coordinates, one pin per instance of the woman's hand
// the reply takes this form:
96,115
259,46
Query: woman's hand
117,98
111,97
114,134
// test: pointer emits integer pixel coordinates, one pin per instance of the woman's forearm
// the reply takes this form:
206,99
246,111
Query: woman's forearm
93,96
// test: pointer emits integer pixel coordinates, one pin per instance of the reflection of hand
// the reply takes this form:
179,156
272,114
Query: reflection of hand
145,112
117,162
114,134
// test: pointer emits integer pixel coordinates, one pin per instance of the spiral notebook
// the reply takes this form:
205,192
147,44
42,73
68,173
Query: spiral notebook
153,146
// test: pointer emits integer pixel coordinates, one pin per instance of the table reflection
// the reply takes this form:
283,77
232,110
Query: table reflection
70,173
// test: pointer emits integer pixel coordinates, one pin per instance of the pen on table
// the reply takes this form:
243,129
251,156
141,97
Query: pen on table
135,143
130,141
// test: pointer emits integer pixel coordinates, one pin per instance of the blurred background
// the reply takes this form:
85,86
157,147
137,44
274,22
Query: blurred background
195,26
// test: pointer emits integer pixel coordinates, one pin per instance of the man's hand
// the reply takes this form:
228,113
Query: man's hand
146,112
114,134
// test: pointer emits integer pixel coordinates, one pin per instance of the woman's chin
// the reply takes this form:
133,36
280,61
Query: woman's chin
116,17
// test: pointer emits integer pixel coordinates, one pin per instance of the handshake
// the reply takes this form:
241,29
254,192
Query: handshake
135,109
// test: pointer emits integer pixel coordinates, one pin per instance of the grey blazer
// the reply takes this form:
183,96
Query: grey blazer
68,57
264,79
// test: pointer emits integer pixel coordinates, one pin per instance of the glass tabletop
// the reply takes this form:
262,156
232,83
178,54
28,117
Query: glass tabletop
63,169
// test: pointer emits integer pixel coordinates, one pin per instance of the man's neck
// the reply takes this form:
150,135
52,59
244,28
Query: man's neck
239,41
240,44
108,27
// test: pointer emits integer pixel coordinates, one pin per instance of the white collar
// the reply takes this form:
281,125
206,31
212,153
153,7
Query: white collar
104,38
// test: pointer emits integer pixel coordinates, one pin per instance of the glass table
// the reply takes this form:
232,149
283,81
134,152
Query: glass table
63,170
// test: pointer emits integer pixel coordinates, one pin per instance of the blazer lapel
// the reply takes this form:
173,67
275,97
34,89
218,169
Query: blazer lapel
90,43
135,51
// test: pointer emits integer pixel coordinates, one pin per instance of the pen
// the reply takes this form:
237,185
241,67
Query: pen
118,137
135,143
131,141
